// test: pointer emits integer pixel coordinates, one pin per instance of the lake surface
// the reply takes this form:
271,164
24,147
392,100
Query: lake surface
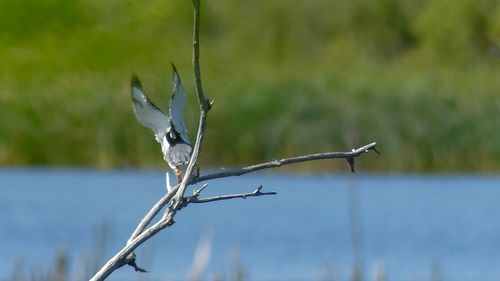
414,227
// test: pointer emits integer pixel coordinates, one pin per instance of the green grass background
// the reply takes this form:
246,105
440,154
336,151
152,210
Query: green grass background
421,78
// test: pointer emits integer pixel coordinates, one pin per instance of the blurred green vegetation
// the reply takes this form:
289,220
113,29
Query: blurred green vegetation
422,78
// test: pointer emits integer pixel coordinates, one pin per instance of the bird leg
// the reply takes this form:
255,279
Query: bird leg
196,171
178,175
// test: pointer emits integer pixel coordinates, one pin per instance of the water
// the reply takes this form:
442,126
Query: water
410,225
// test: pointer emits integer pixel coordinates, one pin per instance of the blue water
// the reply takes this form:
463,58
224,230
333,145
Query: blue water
412,226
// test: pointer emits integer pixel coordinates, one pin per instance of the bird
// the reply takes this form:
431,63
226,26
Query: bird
169,129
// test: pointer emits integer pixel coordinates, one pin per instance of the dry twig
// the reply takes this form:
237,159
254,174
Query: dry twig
255,193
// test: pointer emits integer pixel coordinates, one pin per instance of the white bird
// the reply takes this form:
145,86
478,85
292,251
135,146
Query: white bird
169,130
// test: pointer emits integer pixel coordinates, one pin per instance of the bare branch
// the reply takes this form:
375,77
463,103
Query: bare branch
255,193
204,103
122,257
152,213
286,161
204,107
197,192
241,171
142,234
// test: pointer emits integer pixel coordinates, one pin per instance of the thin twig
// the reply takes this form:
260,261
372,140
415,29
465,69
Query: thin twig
286,161
197,192
255,193
204,104
152,213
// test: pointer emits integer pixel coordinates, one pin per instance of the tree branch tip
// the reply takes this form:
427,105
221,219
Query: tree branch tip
210,102
130,260
139,269
197,192
267,193
258,192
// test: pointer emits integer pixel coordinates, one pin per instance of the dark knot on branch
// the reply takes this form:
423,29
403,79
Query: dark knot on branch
130,260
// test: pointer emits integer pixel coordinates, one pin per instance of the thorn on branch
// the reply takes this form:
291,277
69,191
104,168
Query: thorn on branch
374,149
350,160
209,103
255,193
258,192
197,192
130,260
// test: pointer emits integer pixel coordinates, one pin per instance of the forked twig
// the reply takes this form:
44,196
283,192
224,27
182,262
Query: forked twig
255,193
245,170
142,233
287,161
205,105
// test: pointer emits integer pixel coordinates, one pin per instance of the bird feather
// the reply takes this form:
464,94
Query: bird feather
148,114
177,103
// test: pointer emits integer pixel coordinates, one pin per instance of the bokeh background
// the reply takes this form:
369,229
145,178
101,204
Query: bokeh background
419,77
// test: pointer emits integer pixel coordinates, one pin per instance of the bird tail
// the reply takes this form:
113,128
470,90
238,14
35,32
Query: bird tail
179,154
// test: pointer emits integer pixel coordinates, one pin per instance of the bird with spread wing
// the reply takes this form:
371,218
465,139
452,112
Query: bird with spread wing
169,129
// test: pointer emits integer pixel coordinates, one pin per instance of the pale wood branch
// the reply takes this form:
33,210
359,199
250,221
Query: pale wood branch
123,257
204,104
255,193
245,170
142,234
349,156
146,220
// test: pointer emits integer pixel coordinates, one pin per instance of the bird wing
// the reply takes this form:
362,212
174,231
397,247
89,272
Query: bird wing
148,114
177,103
